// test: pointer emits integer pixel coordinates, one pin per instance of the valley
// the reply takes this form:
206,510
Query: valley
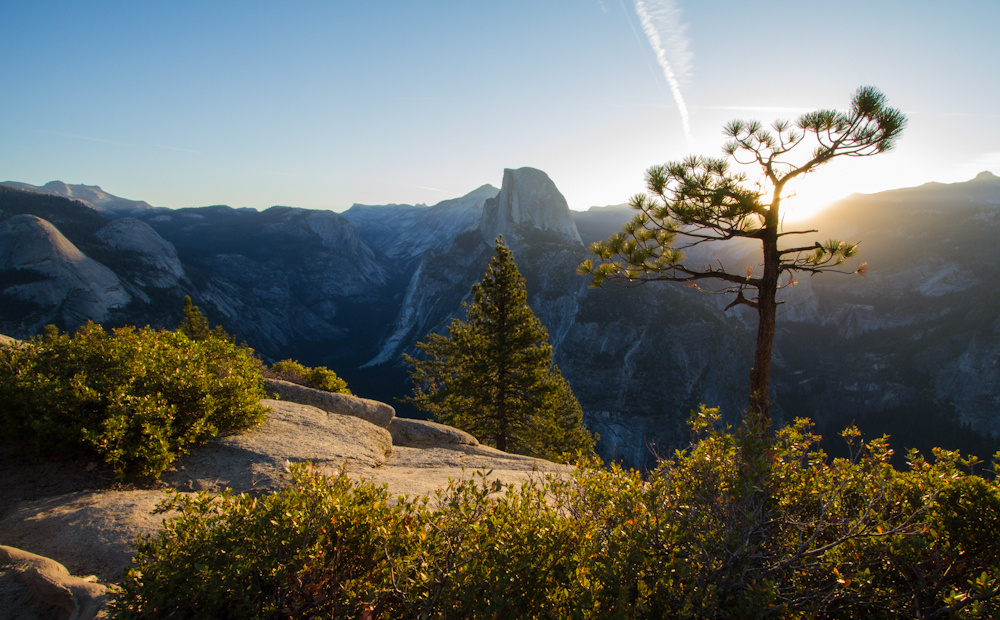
911,350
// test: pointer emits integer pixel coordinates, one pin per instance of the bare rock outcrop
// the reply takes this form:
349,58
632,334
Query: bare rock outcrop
426,434
257,460
422,471
160,267
89,532
528,200
58,276
379,414
51,587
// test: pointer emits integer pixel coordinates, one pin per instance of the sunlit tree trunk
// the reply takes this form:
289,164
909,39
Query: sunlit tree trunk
760,374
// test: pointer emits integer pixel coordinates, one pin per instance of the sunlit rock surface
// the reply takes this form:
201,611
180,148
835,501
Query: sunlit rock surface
528,201
55,276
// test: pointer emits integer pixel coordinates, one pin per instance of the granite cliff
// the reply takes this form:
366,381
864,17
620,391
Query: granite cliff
912,349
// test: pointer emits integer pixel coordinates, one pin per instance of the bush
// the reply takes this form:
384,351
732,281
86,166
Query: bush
313,549
320,378
329,548
133,398
721,530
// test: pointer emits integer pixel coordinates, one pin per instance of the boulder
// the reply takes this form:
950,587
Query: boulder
426,434
257,460
51,584
379,414
89,532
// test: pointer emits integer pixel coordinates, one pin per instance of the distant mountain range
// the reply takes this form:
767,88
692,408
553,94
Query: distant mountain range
90,195
913,349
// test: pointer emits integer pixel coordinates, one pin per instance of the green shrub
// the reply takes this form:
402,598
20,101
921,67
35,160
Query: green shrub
725,529
721,530
329,548
481,549
133,398
314,549
320,378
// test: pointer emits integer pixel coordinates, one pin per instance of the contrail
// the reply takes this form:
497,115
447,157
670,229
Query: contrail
87,138
665,18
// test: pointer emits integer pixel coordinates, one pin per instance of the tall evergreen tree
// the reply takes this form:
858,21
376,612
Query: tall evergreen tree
493,375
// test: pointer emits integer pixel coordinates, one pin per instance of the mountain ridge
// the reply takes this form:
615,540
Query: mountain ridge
353,291
91,195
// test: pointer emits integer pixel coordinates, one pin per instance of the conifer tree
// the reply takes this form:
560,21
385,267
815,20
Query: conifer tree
701,200
196,326
493,375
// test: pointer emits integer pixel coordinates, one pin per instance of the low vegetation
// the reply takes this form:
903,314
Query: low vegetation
802,536
319,378
135,399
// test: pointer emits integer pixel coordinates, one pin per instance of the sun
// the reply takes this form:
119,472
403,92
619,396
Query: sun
808,196
799,206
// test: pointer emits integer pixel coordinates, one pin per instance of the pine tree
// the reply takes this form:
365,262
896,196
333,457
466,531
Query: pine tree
493,375
700,200
196,327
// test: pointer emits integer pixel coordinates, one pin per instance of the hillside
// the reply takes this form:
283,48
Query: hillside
78,522
909,350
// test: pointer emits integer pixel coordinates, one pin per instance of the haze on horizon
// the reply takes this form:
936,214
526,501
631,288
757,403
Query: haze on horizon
322,105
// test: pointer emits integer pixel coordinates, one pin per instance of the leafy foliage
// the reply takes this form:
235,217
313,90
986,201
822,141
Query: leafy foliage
133,398
320,377
311,549
842,538
493,375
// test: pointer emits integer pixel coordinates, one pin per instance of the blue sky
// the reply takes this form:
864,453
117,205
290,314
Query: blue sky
324,104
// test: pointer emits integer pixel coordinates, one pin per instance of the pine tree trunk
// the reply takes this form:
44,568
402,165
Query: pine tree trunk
502,430
759,418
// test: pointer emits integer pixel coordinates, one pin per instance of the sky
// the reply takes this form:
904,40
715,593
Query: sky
325,104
